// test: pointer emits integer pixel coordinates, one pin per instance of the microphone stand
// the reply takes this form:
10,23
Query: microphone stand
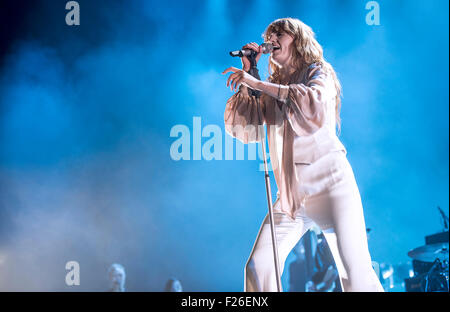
427,276
444,218
254,72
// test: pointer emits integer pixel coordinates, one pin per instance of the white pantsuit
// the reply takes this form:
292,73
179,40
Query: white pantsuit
314,178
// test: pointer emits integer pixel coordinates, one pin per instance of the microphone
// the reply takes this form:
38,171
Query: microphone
265,48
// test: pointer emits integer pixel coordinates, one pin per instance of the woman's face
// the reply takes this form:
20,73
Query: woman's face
283,41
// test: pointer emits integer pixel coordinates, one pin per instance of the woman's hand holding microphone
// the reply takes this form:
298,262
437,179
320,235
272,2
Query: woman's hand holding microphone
240,75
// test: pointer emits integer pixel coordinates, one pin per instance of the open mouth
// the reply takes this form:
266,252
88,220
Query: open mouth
276,47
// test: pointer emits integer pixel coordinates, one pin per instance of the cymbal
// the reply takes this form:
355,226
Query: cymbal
429,253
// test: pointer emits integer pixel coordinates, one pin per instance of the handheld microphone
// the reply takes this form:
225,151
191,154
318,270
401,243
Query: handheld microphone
265,48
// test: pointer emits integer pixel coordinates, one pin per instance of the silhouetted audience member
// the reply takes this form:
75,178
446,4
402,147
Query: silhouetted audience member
173,285
117,276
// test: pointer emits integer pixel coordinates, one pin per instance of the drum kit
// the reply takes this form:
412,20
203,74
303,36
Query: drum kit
429,270
430,263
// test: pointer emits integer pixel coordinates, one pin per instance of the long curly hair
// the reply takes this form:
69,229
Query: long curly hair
306,52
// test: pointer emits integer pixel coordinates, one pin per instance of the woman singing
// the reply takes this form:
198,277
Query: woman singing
300,106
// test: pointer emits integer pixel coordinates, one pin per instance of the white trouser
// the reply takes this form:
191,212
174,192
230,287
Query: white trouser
334,204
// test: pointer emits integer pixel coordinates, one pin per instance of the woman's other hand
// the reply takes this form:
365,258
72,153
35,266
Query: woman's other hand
240,76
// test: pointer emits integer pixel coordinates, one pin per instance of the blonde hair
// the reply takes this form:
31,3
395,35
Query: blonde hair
306,52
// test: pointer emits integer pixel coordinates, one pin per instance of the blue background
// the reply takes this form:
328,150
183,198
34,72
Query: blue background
86,112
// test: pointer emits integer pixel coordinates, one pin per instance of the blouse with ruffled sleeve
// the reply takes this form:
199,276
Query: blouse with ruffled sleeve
306,103
244,116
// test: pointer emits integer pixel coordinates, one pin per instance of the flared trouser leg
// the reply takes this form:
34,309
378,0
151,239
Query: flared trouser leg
260,268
